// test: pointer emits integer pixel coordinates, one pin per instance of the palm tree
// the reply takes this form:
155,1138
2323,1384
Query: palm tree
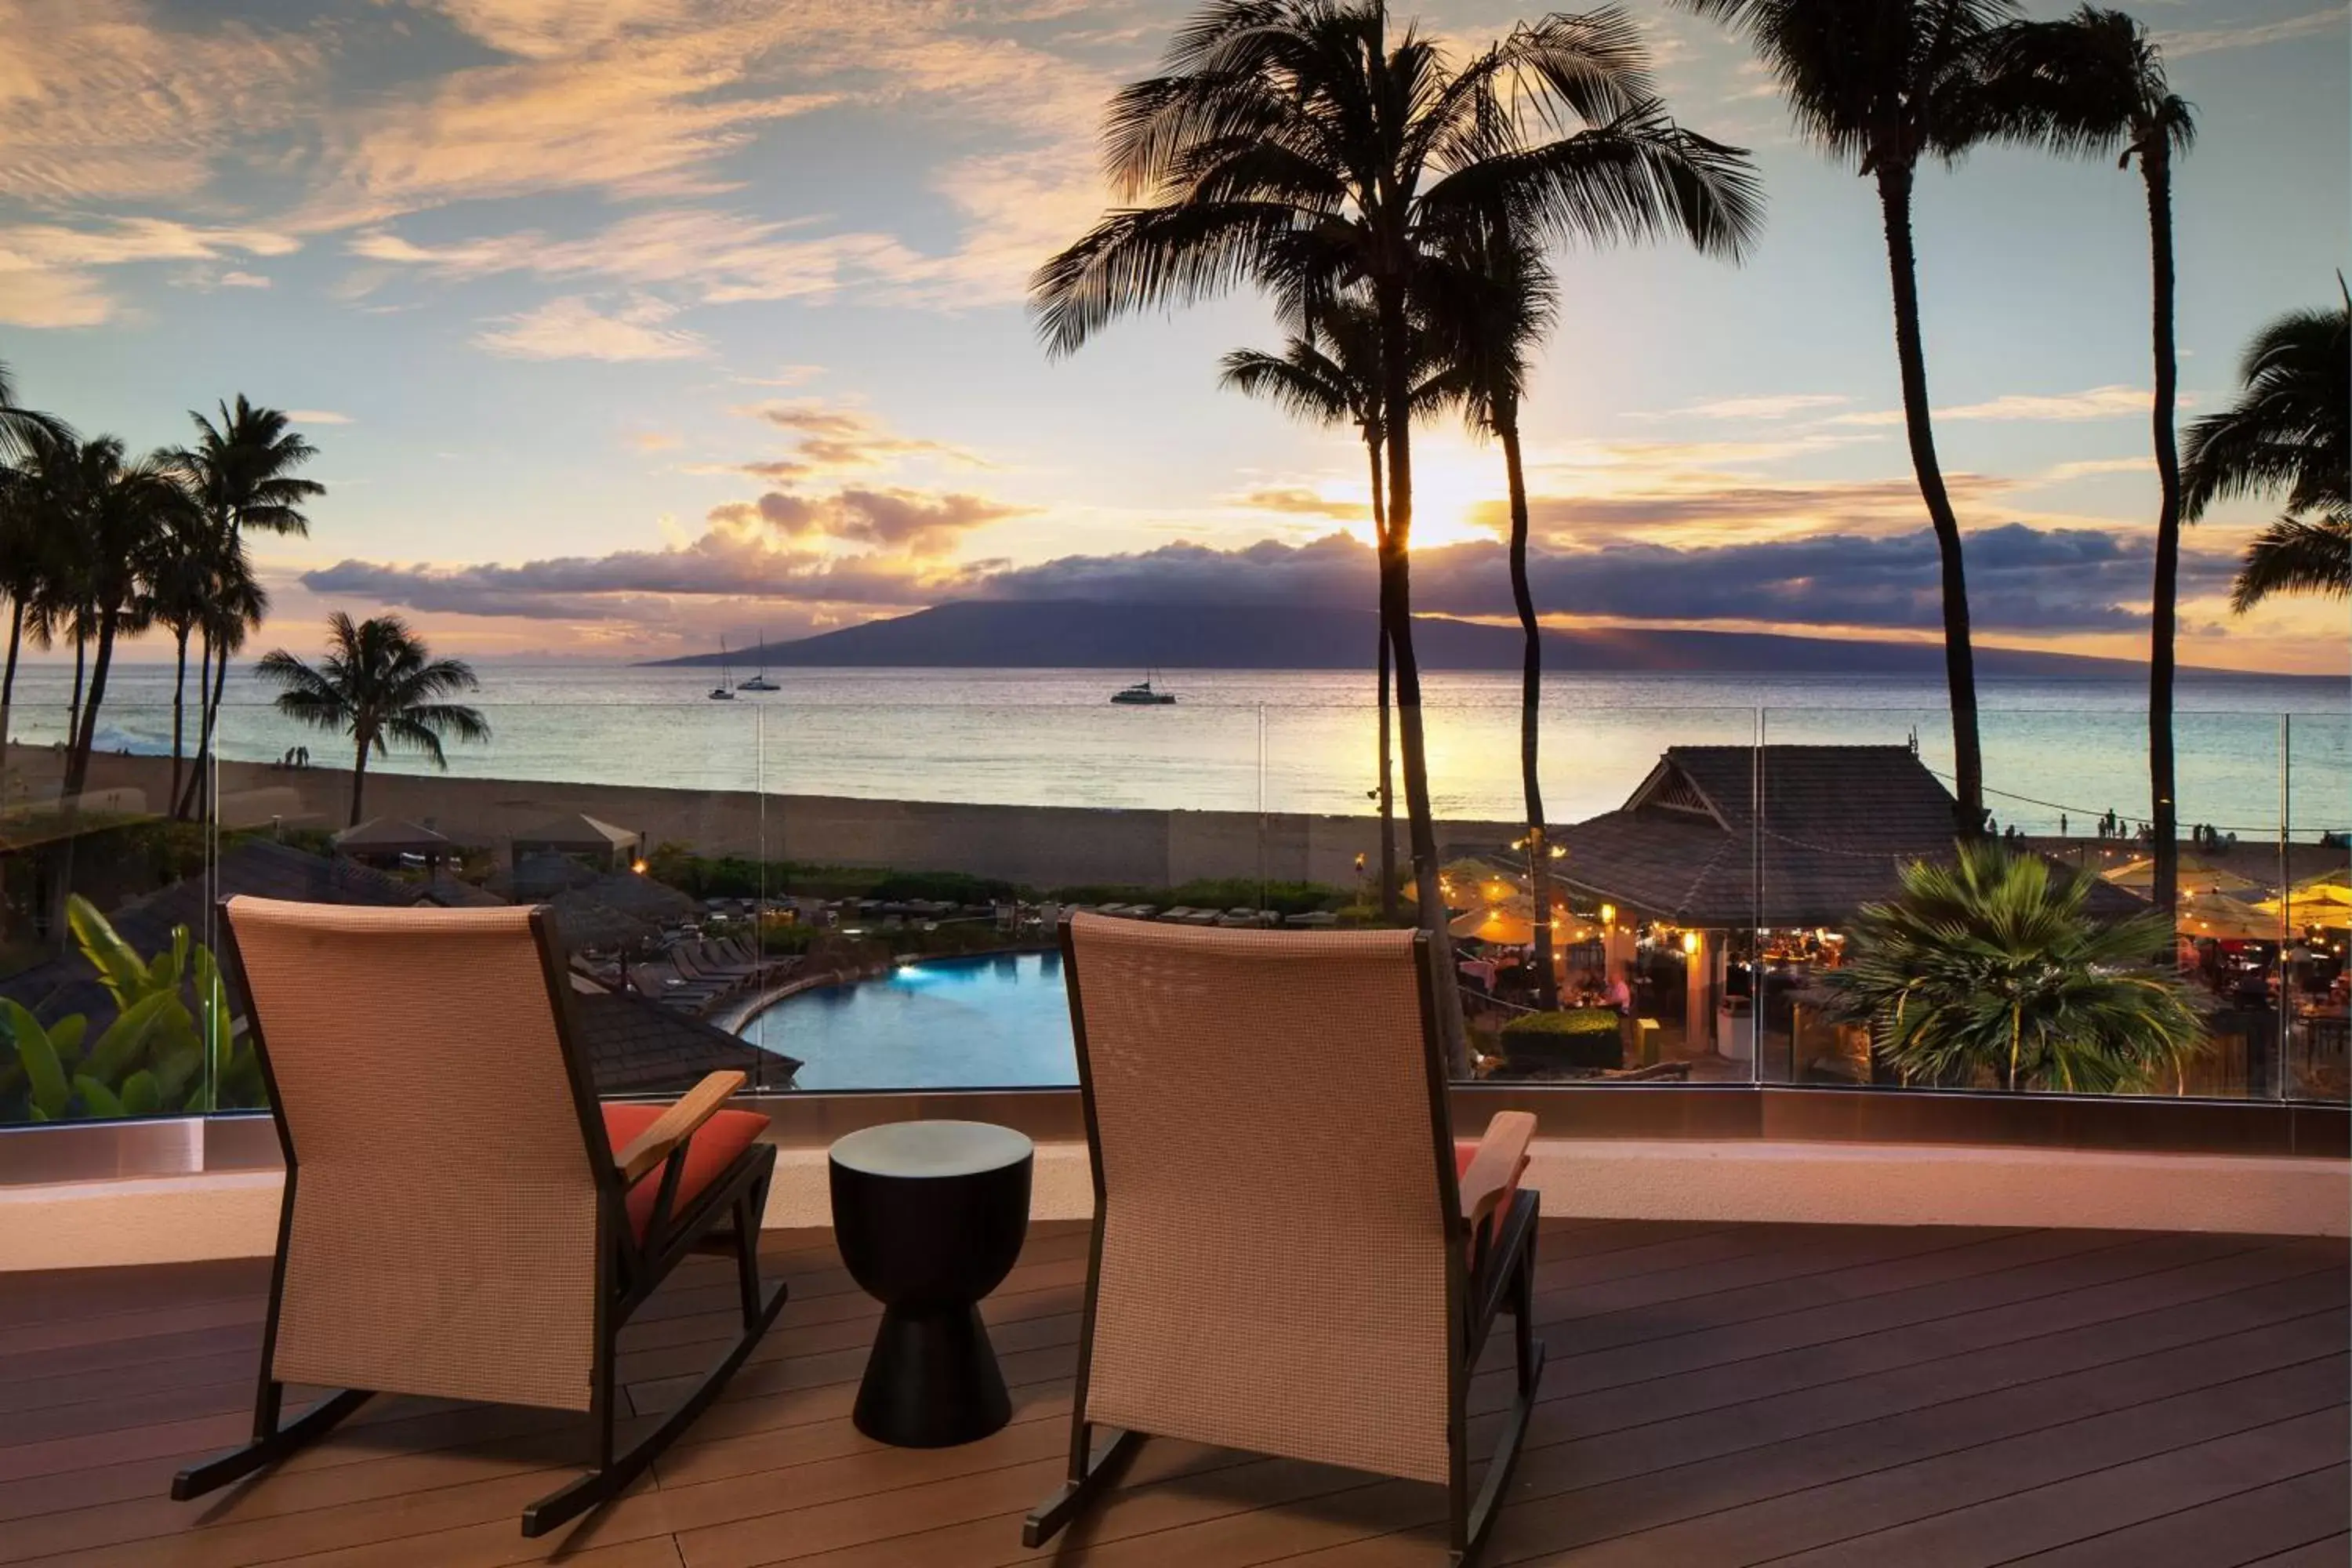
1497,298
237,607
1883,84
1298,145
380,685
23,544
242,472
121,514
2289,434
1330,372
187,583
1988,969
2094,85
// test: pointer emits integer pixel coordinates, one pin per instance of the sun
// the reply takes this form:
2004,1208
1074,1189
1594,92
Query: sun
1456,484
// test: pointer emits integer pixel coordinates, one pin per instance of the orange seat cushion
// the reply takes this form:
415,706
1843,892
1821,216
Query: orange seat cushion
1466,1150
713,1148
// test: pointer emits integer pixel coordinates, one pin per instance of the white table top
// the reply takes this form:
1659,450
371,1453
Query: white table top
931,1149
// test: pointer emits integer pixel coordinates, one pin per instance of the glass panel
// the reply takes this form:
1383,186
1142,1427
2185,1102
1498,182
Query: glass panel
2315,913
103,893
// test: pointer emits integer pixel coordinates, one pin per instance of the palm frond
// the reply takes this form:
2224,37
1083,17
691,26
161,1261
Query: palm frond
2296,556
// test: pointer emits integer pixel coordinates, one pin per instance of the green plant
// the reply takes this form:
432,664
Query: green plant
1576,1036
1991,969
171,1045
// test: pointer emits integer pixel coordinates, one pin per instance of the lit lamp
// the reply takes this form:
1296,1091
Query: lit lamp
1690,941
1608,914
638,867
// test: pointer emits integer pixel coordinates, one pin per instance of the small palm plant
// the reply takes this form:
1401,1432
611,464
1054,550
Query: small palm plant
1991,968
382,686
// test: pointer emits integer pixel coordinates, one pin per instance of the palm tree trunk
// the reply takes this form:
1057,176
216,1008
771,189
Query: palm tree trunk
187,806
1388,766
8,688
1396,616
86,737
359,778
1506,428
2156,168
73,704
212,725
1959,659
178,706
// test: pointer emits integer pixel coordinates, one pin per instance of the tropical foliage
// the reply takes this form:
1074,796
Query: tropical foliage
380,685
2288,436
1991,971
171,1045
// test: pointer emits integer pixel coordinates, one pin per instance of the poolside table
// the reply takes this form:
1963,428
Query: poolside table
930,1217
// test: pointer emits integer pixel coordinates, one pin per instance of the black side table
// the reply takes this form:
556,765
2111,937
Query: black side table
930,1217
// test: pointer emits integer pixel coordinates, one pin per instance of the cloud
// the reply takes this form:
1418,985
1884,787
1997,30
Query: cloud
2096,402
1707,500
653,440
1297,501
836,437
2180,44
241,281
316,416
2022,579
47,270
573,328
1778,406
2088,466
100,102
917,522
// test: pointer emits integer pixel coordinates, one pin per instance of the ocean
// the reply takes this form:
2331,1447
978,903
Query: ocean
1304,740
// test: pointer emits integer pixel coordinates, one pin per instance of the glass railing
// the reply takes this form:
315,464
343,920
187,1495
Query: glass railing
834,889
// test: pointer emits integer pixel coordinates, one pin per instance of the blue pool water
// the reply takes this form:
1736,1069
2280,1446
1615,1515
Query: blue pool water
963,1022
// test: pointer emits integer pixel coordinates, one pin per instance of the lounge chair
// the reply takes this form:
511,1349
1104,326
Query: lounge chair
462,1218
1291,1253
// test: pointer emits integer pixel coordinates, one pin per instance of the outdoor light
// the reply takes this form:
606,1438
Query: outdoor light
638,867
1690,941
1609,914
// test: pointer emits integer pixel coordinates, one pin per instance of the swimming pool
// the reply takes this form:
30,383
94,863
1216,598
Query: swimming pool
1001,1022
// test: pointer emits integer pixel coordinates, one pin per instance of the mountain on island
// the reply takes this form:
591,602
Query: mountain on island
1095,635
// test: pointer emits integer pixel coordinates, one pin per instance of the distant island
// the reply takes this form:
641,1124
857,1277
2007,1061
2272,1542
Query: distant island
1095,635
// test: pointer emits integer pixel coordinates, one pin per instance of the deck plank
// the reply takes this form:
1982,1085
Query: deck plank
1718,1395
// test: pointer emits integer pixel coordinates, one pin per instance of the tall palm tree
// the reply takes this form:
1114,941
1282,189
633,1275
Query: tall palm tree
2288,435
237,607
241,470
1303,146
1496,296
2094,85
1330,372
18,423
185,586
1883,84
25,546
380,685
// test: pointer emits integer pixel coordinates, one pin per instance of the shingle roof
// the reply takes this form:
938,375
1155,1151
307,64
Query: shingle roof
636,1046
390,834
1836,823
262,868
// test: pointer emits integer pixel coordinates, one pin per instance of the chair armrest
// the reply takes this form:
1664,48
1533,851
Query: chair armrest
1501,1155
676,1125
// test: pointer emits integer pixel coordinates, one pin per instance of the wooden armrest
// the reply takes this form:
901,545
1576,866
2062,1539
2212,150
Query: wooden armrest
1501,1155
676,1125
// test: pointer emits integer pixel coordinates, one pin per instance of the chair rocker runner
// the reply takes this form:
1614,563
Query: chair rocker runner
462,1219
1291,1255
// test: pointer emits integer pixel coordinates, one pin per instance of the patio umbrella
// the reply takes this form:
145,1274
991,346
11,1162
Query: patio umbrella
1507,924
2304,907
2225,918
2196,877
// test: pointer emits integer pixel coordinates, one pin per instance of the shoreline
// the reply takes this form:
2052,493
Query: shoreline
1034,846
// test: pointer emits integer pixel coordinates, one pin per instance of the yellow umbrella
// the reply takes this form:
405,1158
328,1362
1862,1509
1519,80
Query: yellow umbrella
2301,909
2225,918
2196,877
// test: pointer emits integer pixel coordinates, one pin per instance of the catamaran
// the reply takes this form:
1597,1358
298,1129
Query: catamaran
1140,695
760,682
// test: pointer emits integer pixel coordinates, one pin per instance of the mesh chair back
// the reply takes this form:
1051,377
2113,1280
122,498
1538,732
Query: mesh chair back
443,1238
1274,1185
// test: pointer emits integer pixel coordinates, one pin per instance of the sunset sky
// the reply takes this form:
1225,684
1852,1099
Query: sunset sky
622,324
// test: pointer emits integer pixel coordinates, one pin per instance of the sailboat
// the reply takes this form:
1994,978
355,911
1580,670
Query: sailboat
760,682
722,692
1140,695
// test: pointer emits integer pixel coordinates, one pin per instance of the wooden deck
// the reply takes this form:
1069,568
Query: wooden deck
1718,1394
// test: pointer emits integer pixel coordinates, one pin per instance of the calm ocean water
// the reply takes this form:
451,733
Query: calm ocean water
1304,740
